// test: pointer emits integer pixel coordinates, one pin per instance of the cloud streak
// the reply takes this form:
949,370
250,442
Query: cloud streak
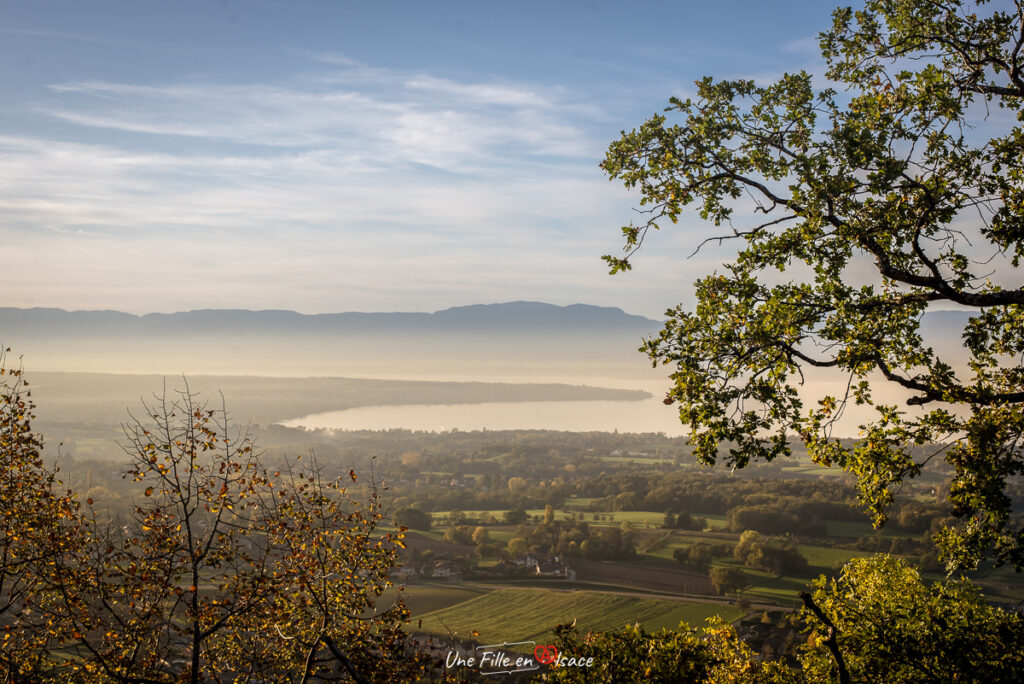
394,117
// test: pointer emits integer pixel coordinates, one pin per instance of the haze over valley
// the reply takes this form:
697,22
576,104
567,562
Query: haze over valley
421,371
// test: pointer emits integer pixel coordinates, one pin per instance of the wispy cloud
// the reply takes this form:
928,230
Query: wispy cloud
333,58
58,35
249,114
485,93
395,117
807,46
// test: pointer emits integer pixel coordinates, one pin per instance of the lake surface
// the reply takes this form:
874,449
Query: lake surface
647,415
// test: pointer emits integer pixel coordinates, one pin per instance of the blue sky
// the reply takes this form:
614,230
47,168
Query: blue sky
327,156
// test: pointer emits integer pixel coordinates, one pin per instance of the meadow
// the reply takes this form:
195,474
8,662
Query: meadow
520,614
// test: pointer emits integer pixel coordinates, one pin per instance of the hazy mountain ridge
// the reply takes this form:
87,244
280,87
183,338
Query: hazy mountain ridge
479,317
519,341
515,340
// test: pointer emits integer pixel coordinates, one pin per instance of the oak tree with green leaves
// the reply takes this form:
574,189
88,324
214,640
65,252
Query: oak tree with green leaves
727,580
909,169
890,626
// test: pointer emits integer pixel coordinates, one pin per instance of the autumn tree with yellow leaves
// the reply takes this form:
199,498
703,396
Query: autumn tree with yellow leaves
227,571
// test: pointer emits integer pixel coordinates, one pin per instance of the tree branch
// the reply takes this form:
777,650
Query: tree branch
832,641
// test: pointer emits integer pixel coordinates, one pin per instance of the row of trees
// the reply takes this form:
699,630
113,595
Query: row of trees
752,550
683,521
574,537
758,553
773,519
227,570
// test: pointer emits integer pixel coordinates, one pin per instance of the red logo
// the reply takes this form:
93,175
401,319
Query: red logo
546,655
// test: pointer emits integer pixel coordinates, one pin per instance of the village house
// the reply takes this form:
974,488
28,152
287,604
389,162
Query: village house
445,569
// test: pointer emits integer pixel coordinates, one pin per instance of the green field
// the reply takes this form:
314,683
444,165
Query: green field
855,530
638,518
1000,584
441,516
641,519
636,459
580,503
427,597
683,538
522,614
824,558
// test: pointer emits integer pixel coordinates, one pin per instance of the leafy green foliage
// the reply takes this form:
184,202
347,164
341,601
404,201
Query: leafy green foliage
888,176
632,654
893,628
726,580
759,554
459,534
577,538
413,518
685,521
696,556
773,519
516,516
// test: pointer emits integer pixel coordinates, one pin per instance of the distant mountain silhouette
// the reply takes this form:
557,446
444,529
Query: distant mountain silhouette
482,318
509,340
